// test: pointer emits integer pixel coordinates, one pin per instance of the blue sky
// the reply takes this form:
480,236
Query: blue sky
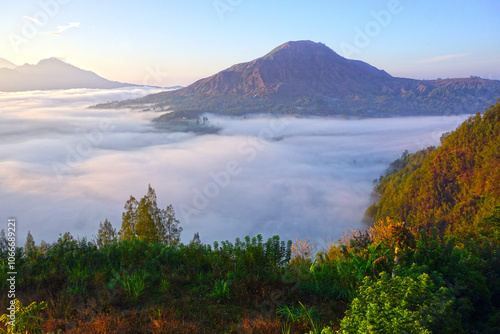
177,42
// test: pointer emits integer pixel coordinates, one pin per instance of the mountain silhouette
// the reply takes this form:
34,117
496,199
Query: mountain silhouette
49,74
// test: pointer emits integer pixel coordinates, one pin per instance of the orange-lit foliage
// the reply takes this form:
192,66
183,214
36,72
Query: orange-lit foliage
303,249
452,187
392,233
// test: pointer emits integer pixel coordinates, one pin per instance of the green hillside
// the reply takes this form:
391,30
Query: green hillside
453,186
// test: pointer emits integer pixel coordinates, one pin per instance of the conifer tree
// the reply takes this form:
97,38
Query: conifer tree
147,217
127,231
30,244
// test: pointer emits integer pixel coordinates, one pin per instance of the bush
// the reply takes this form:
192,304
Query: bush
401,305
25,321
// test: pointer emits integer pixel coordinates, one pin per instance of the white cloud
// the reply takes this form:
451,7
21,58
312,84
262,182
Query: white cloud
444,58
61,29
32,19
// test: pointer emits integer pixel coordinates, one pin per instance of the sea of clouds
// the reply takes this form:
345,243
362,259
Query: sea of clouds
64,167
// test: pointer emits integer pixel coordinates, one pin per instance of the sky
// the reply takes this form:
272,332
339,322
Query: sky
167,43
66,168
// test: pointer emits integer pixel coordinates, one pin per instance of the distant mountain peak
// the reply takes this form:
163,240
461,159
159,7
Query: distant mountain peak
51,60
52,73
295,69
309,78
300,46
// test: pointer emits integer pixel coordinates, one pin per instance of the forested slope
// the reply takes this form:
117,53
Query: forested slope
453,186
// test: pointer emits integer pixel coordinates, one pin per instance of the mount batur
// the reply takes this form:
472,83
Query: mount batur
308,78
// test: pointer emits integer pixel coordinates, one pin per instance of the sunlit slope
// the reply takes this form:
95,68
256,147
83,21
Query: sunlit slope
453,186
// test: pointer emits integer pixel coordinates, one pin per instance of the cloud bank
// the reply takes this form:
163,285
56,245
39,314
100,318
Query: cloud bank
67,168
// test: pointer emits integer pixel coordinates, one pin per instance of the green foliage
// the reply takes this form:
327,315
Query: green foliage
78,278
470,269
221,292
252,258
452,187
326,330
131,274
26,319
400,305
490,225
367,265
336,274
244,276
134,285
310,313
299,315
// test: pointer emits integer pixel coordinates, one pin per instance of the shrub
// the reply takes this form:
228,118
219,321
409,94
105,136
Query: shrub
25,321
400,305
134,285
221,292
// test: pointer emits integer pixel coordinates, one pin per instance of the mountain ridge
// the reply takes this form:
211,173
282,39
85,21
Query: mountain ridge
4,63
287,71
308,78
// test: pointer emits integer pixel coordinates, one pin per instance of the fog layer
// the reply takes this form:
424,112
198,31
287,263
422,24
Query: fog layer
64,167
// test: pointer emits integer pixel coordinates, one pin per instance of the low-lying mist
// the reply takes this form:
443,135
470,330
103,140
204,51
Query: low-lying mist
64,167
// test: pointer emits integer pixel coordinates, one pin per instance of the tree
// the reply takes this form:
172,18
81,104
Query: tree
147,216
4,243
144,220
66,237
196,239
303,251
106,234
44,247
127,231
30,244
169,229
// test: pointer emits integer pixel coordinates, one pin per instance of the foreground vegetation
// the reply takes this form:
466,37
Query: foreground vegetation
436,273
131,286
